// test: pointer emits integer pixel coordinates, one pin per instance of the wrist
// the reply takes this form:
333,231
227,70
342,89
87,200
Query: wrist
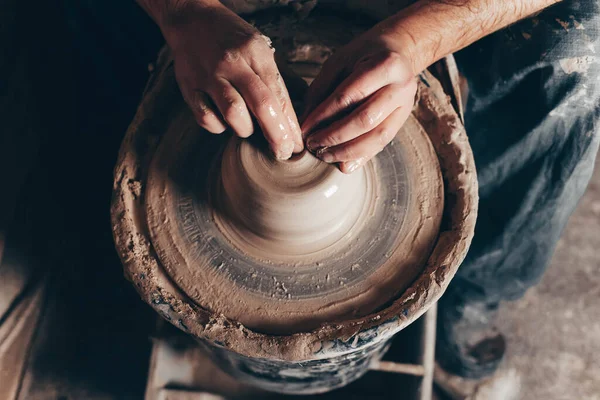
426,32
429,30
418,48
174,16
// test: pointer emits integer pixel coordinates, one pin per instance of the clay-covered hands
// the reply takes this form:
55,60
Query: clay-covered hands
227,73
361,98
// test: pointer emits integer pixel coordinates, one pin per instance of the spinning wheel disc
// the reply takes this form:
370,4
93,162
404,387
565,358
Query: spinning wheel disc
272,244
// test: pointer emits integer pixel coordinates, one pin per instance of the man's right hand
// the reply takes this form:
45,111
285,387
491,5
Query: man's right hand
227,72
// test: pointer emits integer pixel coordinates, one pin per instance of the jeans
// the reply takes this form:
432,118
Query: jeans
532,119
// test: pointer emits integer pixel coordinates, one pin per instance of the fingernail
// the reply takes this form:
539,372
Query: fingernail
325,156
285,150
352,166
320,150
312,145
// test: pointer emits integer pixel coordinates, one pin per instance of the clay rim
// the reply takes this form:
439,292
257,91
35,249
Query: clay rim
449,139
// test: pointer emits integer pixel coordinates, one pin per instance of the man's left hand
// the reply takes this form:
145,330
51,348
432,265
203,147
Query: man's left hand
360,100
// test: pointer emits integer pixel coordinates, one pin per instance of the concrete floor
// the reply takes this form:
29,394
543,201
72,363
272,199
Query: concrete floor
553,333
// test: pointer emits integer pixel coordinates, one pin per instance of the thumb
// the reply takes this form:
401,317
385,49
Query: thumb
330,75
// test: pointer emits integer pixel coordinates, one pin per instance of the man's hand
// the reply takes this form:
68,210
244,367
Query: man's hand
363,95
227,73
365,92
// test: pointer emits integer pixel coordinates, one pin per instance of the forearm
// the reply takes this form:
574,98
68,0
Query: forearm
169,13
431,29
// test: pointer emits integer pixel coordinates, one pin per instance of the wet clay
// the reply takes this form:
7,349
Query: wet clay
284,247
287,209
176,247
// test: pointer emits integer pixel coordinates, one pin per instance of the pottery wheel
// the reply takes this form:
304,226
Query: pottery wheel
285,246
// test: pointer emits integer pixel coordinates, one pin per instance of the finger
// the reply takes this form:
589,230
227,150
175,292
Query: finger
232,107
366,146
323,84
265,107
296,87
272,78
362,120
368,77
348,167
203,110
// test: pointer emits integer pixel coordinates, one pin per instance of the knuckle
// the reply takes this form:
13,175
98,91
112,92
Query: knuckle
255,85
392,59
365,119
264,103
271,78
281,97
391,65
384,136
331,140
227,58
274,82
203,120
349,153
284,104
344,100
199,106
233,109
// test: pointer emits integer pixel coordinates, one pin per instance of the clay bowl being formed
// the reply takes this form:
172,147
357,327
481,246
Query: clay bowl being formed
285,270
